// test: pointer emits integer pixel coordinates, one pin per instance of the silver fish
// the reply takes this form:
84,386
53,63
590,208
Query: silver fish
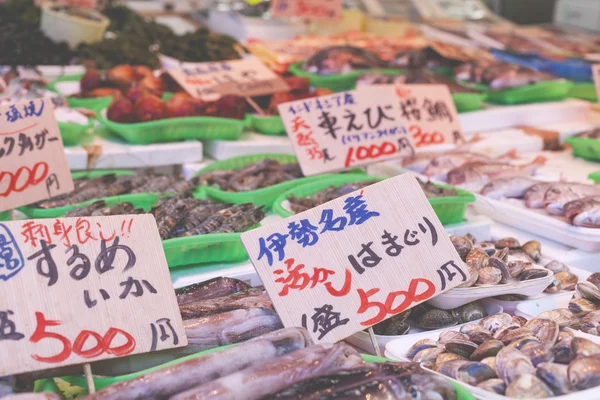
534,195
557,196
513,188
584,212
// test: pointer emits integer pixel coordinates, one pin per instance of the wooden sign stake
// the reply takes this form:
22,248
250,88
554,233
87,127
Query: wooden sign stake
374,341
254,105
87,370
12,215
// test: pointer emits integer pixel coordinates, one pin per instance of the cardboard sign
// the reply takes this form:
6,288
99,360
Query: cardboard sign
429,113
307,9
78,290
596,76
347,129
209,81
353,262
33,165
92,4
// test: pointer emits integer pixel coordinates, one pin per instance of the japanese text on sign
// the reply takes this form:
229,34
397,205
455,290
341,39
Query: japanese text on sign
247,77
343,130
102,287
353,262
33,166
307,9
430,114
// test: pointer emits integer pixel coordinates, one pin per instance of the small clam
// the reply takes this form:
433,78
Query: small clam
488,276
488,247
505,360
474,372
495,321
516,367
562,351
582,347
487,349
493,385
469,329
473,276
491,361
450,368
508,327
564,333
502,267
528,386
595,279
518,266
509,242
518,254
428,356
477,258
519,343
580,307
584,372
556,266
462,245
592,316
436,319
519,320
515,334
567,279
445,357
562,316
420,345
589,327
461,347
446,336
502,254
538,353
511,297
533,273
480,336
472,238
588,291
533,249
544,329
396,327
555,376
555,287
470,312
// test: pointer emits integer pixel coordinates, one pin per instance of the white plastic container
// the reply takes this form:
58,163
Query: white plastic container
62,27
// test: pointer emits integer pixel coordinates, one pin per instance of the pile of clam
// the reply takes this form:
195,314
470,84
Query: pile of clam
513,356
506,260
584,309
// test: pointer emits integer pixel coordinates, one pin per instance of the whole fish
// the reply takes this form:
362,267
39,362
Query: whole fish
439,166
584,212
196,216
276,374
513,187
242,221
534,195
211,224
197,371
250,298
91,189
557,196
117,209
213,288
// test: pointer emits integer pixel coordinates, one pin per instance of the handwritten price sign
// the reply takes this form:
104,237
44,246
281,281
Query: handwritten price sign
33,166
353,262
247,77
347,129
429,113
77,290
307,9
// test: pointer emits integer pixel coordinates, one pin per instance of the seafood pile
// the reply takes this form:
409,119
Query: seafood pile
101,209
282,365
300,204
591,134
113,185
578,203
261,174
426,317
513,356
499,75
341,60
506,260
299,90
412,77
183,215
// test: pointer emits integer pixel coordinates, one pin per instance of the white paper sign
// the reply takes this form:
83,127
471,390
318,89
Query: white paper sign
33,165
78,290
355,261
347,129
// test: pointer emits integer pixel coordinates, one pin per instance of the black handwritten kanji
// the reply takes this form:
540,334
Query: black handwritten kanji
410,109
370,259
352,126
394,249
324,320
379,118
25,143
106,258
328,122
444,273
138,291
92,303
163,324
45,259
8,329
81,270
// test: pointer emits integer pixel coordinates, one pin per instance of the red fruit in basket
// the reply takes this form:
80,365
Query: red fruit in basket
149,108
90,80
104,92
278,98
152,84
182,105
209,109
298,84
141,71
231,106
135,93
121,76
121,110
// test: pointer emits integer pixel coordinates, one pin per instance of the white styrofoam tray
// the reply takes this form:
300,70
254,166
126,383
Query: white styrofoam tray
248,143
362,339
514,213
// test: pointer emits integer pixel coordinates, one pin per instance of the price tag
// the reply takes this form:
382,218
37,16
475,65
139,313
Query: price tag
353,262
307,9
78,290
347,129
209,81
596,76
33,165
430,114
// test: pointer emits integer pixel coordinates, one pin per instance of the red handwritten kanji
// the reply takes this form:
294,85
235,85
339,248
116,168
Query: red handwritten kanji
299,123
33,232
62,230
83,228
102,237
299,280
315,153
305,139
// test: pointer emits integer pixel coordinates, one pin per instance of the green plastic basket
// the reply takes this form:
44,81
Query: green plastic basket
449,209
535,93
202,249
466,102
595,176
260,197
586,148
584,91
176,129
95,104
139,200
4,215
267,125
71,134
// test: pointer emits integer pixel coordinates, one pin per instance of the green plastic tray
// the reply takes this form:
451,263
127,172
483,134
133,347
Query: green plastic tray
450,209
268,125
71,134
534,93
584,91
595,176
466,102
143,200
96,104
586,148
212,248
176,129
4,215
260,197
